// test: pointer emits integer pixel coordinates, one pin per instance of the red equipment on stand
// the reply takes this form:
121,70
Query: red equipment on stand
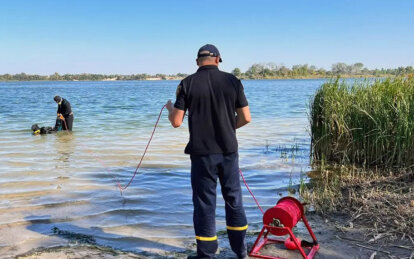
279,221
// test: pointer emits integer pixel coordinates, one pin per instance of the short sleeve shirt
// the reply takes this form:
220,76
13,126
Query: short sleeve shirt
211,98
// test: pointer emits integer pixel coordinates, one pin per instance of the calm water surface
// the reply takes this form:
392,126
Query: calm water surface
70,182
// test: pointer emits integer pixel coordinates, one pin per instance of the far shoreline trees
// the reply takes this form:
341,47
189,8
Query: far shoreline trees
273,71
256,71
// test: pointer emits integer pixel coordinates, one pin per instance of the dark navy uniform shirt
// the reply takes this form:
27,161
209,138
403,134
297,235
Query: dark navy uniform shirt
211,98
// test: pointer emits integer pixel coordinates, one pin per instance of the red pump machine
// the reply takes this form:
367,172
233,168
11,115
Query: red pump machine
279,221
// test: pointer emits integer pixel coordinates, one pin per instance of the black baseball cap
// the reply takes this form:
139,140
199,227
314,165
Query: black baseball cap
208,50
57,98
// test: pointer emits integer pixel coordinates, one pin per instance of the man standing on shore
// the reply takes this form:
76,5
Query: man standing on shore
64,112
213,98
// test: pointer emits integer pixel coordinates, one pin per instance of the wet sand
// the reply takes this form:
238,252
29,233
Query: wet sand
336,241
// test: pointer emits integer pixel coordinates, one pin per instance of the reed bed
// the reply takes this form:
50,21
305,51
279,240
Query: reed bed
368,123
363,152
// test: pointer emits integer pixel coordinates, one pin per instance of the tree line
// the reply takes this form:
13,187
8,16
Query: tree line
272,70
256,71
87,77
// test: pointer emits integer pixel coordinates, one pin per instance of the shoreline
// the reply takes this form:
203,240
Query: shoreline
178,79
336,236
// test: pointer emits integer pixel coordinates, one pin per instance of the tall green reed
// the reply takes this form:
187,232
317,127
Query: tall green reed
370,123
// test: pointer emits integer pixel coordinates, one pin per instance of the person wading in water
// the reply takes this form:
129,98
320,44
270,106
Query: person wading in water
64,110
216,107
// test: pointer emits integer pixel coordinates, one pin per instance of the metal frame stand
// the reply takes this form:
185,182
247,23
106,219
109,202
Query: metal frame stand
261,242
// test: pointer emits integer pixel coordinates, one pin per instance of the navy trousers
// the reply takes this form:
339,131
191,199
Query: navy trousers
205,170
69,123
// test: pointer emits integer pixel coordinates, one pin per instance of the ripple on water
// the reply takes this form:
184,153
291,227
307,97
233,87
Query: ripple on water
70,182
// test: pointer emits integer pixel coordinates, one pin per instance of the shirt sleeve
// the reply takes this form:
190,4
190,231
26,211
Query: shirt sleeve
180,102
241,98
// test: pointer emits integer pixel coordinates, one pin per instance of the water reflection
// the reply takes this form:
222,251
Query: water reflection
64,146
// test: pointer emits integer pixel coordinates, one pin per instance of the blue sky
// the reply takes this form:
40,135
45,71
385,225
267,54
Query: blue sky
127,37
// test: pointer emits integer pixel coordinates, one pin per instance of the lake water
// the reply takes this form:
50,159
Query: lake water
70,182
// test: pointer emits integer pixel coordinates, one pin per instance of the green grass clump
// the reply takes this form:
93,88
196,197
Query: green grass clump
369,123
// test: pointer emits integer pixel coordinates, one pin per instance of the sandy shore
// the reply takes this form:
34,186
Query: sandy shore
338,239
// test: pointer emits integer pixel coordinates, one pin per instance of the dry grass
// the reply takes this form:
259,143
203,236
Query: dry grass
381,200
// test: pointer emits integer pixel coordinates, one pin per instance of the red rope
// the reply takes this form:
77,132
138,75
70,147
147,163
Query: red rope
247,186
145,151
122,188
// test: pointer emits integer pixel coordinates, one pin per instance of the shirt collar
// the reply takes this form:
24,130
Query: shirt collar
207,67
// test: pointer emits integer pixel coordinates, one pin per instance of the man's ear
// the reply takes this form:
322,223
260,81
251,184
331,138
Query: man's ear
217,60
197,61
